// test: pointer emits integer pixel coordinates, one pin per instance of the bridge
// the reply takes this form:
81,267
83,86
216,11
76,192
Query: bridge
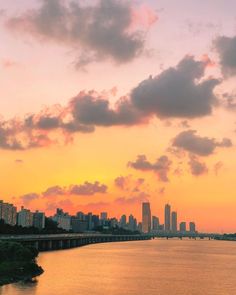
66,241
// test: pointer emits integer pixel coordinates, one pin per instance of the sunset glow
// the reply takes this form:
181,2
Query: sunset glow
103,111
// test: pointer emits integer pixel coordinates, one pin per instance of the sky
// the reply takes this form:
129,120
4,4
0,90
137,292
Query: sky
105,104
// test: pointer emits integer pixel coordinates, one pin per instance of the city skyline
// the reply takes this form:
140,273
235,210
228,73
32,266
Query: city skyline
83,222
99,123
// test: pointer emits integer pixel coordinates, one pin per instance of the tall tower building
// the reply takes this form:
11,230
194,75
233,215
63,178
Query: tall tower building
155,223
39,220
8,213
123,221
25,217
167,217
174,221
146,217
182,227
132,223
192,227
103,215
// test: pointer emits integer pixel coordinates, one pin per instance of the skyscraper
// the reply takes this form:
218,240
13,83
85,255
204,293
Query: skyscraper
8,213
63,219
123,221
182,227
103,216
146,217
174,221
25,217
132,225
155,223
89,220
192,227
39,220
167,217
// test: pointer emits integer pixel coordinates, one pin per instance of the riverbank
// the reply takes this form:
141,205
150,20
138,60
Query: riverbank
18,271
17,263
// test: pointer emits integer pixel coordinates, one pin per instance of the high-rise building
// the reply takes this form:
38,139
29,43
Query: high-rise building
139,226
77,224
161,227
8,213
174,221
167,217
182,227
95,219
39,220
25,217
80,215
89,220
146,217
113,222
123,221
63,219
155,223
132,224
192,227
104,216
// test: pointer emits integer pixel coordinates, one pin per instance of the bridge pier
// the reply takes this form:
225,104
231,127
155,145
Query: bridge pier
36,245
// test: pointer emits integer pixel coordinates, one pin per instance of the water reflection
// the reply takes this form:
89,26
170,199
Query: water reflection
157,267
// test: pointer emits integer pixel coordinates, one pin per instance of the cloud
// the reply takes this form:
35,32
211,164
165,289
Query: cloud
177,92
49,127
52,125
141,197
161,167
48,122
7,139
102,30
226,48
229,100
197,168
174,93
54,191
197,28
144,16
28,198
184,124
88,189
128,183
202,146
121,182
66,204
92,109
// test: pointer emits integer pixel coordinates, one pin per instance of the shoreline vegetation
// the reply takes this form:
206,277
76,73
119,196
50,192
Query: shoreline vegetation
227,237
17,263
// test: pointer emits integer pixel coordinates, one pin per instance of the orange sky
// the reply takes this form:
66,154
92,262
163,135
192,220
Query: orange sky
37,70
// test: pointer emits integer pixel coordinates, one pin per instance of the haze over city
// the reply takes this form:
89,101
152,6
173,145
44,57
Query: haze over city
108,104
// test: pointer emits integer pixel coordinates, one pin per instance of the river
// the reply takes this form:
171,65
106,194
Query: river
155,267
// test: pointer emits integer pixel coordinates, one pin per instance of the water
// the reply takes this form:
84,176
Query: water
160,267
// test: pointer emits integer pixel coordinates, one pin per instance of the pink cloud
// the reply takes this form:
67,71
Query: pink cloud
129,183
144,16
